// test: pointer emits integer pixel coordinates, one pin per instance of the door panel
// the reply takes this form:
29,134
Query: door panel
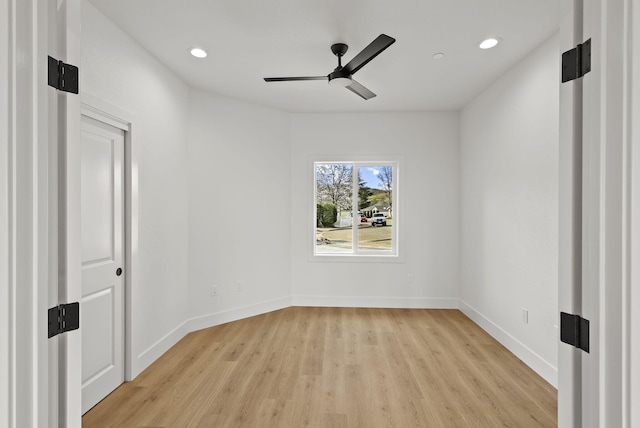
98,309
102,213
98,202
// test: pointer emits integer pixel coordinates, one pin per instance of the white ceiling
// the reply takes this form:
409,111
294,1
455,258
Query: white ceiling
251,39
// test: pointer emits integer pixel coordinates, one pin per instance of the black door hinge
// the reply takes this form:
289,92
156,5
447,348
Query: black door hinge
574,330
63,77
576,62
64,318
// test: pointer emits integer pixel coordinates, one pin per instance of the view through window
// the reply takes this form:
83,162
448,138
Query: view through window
355,205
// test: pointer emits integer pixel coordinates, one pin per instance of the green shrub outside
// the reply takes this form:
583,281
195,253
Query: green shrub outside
326,214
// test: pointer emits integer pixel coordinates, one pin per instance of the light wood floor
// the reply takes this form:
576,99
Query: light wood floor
334,367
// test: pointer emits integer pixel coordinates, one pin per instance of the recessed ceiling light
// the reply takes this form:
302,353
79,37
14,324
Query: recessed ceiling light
438,55
489,43
198,53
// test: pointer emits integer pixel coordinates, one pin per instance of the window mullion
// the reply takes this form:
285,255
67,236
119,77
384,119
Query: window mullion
354,208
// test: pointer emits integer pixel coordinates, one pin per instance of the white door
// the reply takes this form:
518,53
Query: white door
102,304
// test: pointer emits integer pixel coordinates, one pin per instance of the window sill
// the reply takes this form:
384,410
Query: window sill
356,258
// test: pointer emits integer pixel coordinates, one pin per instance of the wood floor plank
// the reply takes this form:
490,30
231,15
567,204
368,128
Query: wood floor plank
334,367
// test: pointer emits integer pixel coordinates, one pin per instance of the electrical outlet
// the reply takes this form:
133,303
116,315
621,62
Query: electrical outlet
238,286
525,316
214,290
410,278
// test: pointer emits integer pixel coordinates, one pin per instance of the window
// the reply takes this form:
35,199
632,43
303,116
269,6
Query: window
355,208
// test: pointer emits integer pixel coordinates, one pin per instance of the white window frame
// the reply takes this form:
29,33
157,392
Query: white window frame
357,254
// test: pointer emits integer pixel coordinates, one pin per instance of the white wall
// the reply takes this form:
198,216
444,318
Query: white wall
429,196
116,70
509,165
239,209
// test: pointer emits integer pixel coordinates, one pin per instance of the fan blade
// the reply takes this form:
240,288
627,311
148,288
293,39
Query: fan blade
360,90
367,54
291,79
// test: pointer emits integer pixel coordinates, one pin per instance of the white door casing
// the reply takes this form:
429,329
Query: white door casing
615,142
5,225
102,304
633,257
26,221
607,114
595,390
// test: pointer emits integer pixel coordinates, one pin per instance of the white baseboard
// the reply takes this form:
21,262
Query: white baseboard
530,358
147,357
234,314
155,351
376,302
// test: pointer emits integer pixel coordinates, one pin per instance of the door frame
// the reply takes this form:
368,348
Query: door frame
597,388
24,223
631,326
5,226
106,112
608,121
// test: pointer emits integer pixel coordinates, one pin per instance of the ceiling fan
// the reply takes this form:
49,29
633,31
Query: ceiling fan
343,75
